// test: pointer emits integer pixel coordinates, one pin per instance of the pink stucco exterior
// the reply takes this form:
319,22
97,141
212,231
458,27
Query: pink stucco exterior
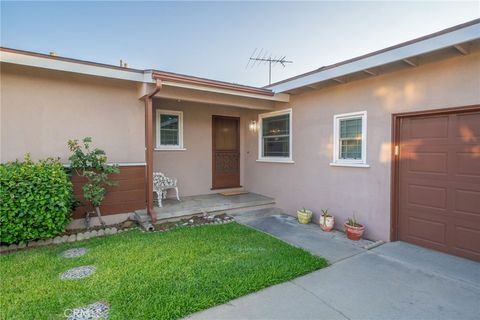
312,183
41,109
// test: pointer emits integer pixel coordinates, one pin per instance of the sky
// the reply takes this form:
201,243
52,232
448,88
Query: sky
216,39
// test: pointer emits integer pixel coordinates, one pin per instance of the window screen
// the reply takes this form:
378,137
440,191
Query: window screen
351,139
276,136
169,129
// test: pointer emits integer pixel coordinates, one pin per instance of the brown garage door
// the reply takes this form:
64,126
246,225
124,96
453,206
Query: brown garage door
439,182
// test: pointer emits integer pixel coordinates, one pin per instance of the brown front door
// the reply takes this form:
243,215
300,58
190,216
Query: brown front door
439,182
225,152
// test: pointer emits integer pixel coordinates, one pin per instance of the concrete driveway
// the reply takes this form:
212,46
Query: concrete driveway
365,281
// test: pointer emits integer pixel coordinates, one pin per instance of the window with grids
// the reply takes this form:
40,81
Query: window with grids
169,129
350,138
275,138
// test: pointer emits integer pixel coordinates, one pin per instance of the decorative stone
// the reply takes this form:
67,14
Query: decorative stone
39,243
72,238
65,238
13,246
101,232
3,248
33,244
113,230
120,231
97,310
22,245
48,242
80,236
78,273
57,240
93,233
73,253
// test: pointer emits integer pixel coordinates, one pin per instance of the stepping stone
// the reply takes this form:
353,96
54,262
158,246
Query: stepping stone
78,273
97,310
73,253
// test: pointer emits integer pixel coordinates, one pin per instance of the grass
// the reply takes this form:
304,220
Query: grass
150,275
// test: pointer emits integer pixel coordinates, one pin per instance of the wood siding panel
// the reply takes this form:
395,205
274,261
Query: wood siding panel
127,196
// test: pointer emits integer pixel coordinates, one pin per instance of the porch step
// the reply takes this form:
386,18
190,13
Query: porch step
211,203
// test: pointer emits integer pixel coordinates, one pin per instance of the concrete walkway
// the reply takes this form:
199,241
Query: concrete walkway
392,281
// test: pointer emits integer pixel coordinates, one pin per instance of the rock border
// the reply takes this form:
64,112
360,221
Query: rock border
64,239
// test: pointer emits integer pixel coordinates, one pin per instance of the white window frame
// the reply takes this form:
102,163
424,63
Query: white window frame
179,146
262,116
336,140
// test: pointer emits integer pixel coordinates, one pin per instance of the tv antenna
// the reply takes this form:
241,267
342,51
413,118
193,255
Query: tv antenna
263,57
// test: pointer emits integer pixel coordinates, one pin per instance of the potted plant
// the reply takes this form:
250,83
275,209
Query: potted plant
304,216
353,229
326,221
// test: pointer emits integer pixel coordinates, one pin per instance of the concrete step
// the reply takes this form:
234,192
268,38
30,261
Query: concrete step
212,204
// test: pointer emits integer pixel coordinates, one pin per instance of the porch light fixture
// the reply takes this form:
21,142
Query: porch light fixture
252,126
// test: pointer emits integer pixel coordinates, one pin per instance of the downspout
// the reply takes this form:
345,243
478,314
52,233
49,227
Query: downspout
149,147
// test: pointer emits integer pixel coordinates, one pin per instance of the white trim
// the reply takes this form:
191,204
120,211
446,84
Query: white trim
353,165
176,149
261,158
441,41
336,136
158,146
270,160
75,67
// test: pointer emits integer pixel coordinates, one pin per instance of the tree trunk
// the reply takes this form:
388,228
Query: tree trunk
99,215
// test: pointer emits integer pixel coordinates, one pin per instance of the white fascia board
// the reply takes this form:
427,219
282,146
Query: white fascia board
417,48
75,67
280,97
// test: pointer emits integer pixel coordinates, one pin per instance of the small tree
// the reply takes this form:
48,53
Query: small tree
92,165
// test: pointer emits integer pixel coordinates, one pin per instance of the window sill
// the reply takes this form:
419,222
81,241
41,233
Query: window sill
353,165
171,149
275,160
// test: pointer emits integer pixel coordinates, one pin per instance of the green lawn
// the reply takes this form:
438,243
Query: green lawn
150,275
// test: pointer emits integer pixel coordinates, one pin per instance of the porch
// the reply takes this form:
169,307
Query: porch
196,131
210,203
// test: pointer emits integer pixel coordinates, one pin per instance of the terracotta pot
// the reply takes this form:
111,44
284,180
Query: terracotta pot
354,233
304,217
326,223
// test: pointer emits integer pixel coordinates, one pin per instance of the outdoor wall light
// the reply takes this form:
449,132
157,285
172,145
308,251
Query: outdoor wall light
252,125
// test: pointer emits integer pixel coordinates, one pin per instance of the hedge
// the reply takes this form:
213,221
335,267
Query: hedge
36,200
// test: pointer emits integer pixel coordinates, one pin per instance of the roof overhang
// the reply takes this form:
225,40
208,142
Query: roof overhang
407,53
218,87
38,60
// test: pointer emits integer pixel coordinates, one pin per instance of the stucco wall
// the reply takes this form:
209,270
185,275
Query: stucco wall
193,166
311,182
41,110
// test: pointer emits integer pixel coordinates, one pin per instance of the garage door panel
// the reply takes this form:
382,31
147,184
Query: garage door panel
467,240
467,201
467,128
439,183
468,162
427,196
428,127
428,162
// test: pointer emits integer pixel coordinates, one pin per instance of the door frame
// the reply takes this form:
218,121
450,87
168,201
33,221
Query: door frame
395,163
213,151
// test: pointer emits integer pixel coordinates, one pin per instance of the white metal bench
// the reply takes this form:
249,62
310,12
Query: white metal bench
161,184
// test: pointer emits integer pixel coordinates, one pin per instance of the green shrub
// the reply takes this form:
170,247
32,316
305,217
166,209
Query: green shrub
36,200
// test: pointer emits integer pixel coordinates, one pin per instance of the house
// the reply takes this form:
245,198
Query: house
392,136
